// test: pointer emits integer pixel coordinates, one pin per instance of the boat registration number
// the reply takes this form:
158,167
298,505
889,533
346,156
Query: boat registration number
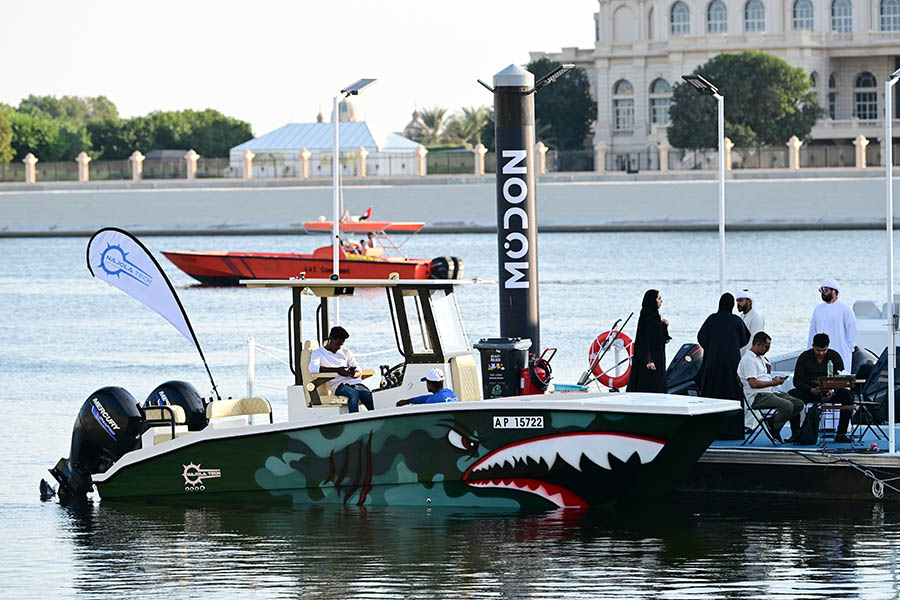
518,422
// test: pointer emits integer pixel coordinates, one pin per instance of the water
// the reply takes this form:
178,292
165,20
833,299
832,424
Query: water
66,334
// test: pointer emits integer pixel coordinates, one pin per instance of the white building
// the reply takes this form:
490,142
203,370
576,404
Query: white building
643,47
277,153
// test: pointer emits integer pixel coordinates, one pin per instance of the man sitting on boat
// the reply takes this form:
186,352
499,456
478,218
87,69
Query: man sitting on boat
437,393
756,375
812,365
332,357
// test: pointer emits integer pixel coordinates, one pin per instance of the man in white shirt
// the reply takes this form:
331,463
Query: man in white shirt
755,373
332,357
836,319
749,315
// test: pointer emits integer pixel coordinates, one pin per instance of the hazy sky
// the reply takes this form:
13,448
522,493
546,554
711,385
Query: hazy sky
274,62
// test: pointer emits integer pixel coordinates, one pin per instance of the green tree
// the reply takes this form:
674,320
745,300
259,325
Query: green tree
565,108
766,102
75,108
472,123
48,139
434,121
6,150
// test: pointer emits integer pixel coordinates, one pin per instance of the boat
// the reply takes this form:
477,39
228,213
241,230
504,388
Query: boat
539,451
381,260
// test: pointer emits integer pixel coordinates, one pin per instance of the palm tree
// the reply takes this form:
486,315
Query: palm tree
434,119
472,123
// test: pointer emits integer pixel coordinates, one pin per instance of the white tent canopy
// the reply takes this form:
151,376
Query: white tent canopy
277,151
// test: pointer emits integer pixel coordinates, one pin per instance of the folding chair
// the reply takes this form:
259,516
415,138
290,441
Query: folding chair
761,416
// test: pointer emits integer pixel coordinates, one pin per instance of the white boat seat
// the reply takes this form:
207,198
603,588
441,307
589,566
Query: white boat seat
464,375
314,388
165,414
161,438
218,409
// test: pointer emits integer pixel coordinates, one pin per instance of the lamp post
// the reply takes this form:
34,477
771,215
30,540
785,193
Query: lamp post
351,90
889,218
708,89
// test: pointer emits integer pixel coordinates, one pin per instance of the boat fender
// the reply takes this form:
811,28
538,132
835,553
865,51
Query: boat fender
597,348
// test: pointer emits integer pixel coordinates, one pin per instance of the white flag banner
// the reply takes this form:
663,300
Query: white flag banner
119,259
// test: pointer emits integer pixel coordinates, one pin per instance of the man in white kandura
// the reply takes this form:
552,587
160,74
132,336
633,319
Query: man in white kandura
836,319
754,321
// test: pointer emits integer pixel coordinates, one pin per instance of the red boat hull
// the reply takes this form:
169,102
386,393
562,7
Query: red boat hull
228,268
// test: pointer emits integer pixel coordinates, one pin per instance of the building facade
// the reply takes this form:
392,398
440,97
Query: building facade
643,47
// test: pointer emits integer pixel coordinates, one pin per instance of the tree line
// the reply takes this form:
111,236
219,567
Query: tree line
58,129
564,114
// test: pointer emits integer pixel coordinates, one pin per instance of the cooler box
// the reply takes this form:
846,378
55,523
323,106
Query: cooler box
502,361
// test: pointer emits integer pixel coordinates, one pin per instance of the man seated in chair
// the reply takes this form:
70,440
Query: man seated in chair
332,357
434,381
813,364
755,373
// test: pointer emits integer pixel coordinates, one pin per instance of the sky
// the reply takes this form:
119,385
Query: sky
274,62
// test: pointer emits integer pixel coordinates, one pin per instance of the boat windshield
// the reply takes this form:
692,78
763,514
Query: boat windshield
449,322
418,330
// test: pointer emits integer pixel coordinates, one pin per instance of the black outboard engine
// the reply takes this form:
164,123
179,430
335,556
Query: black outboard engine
683,373
446,267
861,358
183,394
108,426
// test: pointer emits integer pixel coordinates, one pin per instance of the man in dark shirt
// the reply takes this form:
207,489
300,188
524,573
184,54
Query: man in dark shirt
813,364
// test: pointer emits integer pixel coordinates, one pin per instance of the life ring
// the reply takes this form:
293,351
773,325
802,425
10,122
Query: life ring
610,381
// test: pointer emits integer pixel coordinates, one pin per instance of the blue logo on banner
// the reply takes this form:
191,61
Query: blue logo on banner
114,262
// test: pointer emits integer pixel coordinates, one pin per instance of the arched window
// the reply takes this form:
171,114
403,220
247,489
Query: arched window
842,16
716,17
623,105
813,77
755,16
803,15
890,15
865,97
681,19
660,99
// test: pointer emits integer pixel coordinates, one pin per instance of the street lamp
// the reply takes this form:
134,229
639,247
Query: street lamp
708,89
351,90
889,217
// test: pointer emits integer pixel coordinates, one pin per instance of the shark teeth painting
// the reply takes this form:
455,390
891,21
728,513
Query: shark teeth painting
569,448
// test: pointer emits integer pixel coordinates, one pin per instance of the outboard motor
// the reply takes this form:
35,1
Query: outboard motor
684,371
183,394
108,426
862,357
445,267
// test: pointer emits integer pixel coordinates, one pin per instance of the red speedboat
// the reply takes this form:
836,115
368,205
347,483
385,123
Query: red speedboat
375,256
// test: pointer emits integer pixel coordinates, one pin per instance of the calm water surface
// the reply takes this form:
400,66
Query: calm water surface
65,334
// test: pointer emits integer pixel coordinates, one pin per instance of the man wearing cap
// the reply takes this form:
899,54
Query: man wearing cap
836,319
434,381
750,316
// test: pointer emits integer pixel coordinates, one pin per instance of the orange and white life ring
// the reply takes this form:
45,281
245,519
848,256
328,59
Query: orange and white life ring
611,381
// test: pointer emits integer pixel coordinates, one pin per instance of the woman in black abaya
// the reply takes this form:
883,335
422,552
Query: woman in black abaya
648,363
722,336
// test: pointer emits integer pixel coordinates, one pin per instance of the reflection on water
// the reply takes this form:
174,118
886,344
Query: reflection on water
681,549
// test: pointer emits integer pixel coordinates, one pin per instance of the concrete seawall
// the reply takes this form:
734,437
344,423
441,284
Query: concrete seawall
763,200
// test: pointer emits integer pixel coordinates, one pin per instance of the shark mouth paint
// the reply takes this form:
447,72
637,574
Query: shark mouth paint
533,466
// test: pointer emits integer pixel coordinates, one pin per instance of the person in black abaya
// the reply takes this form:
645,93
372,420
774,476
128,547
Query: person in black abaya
722,336
648,363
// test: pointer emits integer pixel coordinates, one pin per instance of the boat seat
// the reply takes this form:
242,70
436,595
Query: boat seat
464,375
164,423
376,252
238,407
314,388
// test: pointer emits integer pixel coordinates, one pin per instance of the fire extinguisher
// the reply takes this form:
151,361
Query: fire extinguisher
535,378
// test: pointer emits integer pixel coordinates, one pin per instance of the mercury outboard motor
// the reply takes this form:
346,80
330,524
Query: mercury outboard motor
446,267
108,426
183,394
684,371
